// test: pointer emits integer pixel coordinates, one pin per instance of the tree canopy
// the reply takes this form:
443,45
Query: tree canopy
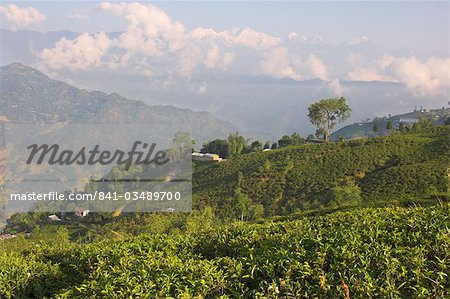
217,146
325,113
236,143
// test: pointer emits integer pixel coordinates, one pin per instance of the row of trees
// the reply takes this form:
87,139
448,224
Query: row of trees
233,146
237,144
324,114
422,124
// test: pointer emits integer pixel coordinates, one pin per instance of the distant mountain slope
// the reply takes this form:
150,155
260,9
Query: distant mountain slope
266,107
27,95
365,129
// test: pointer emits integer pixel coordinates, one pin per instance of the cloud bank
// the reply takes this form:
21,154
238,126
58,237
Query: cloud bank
422,77
156,46
21,17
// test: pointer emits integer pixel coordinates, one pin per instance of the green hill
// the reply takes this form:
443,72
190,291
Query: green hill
402,169
365,129
311,176
363,252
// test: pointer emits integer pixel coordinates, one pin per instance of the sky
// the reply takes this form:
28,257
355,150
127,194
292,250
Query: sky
415,25
197,48
410,29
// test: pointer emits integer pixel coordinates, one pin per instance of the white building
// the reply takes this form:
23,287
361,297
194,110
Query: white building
53,217
408,120
206,157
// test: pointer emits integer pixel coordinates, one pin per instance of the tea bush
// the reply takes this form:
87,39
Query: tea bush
376,252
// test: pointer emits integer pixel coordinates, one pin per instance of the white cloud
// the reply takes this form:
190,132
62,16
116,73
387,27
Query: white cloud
81,53
212,57
335,87
202,88
188,61
368,74
153,44
78,16
151,40
363,69
279,63
150,30
317,67
355,59
21,16
385,61
422,77
216,59
164,45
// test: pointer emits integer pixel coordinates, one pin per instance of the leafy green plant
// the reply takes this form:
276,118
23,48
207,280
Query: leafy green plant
376,253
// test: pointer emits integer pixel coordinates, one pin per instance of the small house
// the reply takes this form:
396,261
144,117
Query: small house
206,157
6,236
81,212
408,120
53,217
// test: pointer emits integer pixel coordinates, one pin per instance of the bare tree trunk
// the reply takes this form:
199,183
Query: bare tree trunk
327,132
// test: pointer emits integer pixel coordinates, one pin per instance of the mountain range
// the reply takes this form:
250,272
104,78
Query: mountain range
29,96
253,102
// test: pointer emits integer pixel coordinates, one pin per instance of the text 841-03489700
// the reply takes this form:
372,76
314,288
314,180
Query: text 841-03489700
157,195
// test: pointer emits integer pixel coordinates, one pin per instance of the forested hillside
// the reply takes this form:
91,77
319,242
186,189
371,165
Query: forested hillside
398,167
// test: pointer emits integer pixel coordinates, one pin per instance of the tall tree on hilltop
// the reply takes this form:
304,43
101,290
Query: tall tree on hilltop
217,146
236,144
389,126
325,113
376,127
182,143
